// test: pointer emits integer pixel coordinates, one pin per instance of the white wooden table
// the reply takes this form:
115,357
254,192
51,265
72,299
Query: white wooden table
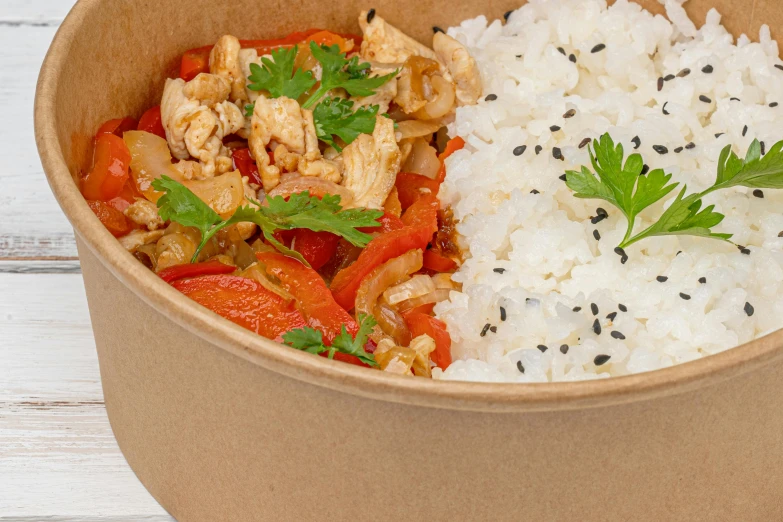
59,461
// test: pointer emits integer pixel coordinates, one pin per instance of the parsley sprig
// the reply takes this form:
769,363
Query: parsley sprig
311,341
623,185
279,77
301,210
335,117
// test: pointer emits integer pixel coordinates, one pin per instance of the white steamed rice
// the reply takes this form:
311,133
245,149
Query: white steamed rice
545,242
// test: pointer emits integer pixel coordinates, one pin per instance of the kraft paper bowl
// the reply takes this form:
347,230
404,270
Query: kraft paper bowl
220,424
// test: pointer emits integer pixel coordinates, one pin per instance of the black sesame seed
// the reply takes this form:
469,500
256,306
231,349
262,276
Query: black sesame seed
749,309
734,99
563,177
758,193
660,83
661,279
645,169
534,191
620,252
763,148
491,97
506,15
602,359
745,251
597,219
542,348
502,314
554,128
570,113
577,309
436,29
718,135
668,77
493,329
678,150
518,55
598,48
532,300
703,280
520,367
596,235
704,99
617,335
611,316
556,153
773,104
594,308
663,109
707,69
485,330
370,15
780,234
564,349
597,327
636,141
600,211
622,307
498,270
685,296
690,145
518,151
584,142
562,51
744,130
682,74
678,253
778,66
572,57
539,148
660,149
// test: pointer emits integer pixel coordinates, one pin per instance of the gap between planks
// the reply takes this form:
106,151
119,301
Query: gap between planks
40,265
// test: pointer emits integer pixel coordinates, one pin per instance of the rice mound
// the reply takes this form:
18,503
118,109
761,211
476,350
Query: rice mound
534,258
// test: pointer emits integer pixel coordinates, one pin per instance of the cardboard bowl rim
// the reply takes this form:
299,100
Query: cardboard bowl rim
486,397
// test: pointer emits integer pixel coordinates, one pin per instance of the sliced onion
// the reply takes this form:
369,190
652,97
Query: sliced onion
256,273
423,346
442,103
150,159
316,187
433,297
391,273
444,281
416,286
423,160
416,129
222,193
393,358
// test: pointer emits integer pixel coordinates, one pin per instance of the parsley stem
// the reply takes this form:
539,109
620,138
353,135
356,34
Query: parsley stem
315,97
206,237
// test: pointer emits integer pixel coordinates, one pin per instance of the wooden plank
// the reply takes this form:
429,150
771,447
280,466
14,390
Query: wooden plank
40,266
58,457
31,223
30,12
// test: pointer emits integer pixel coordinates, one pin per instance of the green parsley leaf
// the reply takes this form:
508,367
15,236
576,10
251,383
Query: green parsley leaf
335,117
755,171
249,109
278,77
180,205
335,76
310,340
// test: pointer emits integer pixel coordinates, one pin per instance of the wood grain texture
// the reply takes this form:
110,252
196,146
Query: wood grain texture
59,461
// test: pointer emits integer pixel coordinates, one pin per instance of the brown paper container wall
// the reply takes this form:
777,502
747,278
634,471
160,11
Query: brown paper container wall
220,424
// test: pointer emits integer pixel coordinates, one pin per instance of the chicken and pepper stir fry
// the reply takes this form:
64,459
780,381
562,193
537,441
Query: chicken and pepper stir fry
290,185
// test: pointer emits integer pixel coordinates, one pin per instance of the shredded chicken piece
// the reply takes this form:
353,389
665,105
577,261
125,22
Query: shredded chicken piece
224,62
139,238
144,212
461,65
384,43
283,121
383,95
371,165
190,169
197,116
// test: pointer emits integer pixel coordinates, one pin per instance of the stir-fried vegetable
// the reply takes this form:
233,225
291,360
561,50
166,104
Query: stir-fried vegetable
310,340
110,169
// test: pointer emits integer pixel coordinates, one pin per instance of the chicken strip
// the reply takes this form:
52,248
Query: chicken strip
461,65
384,43
224,62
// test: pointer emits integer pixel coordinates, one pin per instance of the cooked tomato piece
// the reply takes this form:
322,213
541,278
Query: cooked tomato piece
213,267
245,302
247,165
152,122
421,324
117,127
421,222
114,220
388,223
316,247
411,187
453,145
433,260
195,62
110,169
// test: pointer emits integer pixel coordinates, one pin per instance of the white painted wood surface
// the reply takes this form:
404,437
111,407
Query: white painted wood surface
59,461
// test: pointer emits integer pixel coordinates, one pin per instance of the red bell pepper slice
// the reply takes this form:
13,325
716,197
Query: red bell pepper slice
388,223
245,302
247,165
420,324
152,122
110,169
421,222
433,260
411,187
195,62
312,298
213,267
316,247
453,145
117,127
114,220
